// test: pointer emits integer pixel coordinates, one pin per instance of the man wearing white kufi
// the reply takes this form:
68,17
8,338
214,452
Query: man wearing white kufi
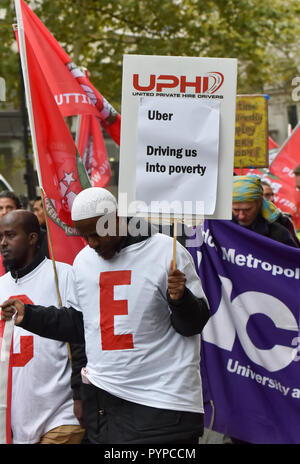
141,320
93,202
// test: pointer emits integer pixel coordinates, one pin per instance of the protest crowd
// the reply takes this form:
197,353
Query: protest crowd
119,330
115,391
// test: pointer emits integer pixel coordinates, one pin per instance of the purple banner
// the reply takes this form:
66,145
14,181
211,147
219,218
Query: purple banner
250,356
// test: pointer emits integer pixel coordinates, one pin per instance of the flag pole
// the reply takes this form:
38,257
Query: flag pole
43,196
23,56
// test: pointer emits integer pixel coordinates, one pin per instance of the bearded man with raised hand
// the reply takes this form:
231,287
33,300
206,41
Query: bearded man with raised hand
141,320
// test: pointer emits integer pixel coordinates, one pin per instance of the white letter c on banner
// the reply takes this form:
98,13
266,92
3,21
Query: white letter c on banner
232,317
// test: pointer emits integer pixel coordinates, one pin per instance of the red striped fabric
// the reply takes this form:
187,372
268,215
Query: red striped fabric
6,333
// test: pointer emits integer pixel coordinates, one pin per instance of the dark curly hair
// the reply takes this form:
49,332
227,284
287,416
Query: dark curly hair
13,196
297,170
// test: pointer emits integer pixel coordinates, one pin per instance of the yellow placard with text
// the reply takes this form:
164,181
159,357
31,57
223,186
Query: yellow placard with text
251,132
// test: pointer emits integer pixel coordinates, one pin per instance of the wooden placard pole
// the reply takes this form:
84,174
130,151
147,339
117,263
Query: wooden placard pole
174,243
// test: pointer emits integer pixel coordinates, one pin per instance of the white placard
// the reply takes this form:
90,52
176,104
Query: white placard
172,78
177,155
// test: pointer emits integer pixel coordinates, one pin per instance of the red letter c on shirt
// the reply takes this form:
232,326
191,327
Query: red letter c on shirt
110,308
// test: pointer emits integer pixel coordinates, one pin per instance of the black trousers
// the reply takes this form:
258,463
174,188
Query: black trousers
112,420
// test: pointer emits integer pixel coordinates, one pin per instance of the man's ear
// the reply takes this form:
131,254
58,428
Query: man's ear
33,238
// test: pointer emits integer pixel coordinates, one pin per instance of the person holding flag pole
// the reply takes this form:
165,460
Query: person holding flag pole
55,155
60,89
137,372
142,380
39,139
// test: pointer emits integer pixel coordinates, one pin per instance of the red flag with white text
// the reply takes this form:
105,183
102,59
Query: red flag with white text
283,165
92,149
72,89
62,172
288,157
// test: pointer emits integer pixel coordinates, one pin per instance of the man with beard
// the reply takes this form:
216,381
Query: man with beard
42,405
141,320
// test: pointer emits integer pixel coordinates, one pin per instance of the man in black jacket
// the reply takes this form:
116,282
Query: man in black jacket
141,320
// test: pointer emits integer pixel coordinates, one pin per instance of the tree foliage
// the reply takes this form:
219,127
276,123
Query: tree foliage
262,35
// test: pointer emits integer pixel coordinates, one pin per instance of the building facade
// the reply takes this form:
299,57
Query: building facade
283,115
284,111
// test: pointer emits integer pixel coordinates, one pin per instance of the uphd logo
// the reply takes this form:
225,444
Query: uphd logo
2,89
209,83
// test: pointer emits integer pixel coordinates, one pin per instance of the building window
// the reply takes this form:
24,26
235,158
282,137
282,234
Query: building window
292,115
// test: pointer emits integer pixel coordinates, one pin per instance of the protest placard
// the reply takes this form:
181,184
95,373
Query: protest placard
177,154
251,132
184,86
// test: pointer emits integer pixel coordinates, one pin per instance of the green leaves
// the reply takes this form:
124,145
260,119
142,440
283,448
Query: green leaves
263,35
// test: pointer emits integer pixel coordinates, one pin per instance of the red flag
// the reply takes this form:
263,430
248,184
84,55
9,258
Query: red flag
92,150
283,165
288,158
65,242
72,89
62,174
6,334
272,144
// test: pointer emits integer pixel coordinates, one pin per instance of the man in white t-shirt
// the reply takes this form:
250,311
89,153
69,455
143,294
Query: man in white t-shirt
141,321
42,403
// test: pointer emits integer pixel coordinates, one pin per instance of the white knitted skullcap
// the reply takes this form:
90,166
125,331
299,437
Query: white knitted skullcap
93,202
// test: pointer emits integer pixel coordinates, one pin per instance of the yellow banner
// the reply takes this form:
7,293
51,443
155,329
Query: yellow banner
251,132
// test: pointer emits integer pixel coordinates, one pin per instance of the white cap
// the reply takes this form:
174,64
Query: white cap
93,202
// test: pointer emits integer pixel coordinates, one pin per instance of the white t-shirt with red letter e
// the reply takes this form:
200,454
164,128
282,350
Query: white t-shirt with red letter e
132,349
